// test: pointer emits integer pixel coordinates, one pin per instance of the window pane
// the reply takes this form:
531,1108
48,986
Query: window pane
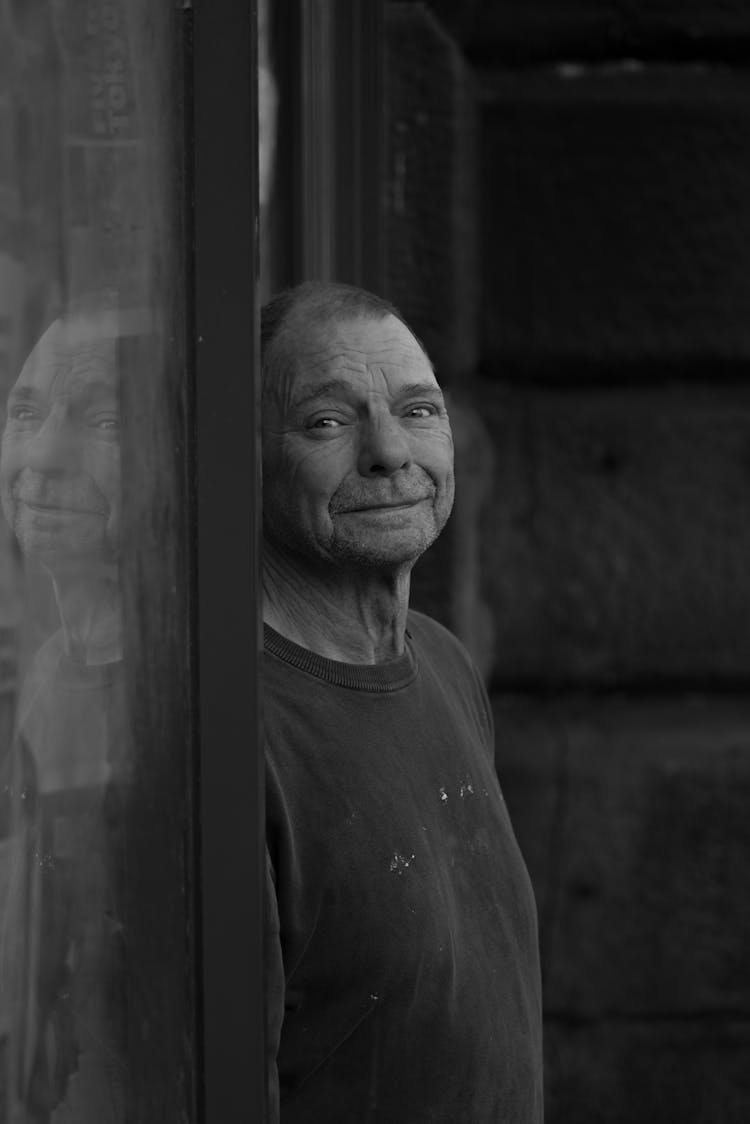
95,726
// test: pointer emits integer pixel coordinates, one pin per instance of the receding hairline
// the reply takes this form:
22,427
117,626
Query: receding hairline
94,318
315,304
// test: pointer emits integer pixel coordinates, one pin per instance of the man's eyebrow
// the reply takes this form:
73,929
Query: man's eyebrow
311,392
97,389
429,389
92,392
24,394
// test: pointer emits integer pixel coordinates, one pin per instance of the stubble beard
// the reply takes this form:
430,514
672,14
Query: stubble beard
396,553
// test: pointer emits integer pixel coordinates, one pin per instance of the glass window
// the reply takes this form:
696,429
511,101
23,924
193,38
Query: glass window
96,969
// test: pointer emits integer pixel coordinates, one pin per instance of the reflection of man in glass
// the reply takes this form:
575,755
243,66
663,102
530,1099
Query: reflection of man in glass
59,475
60,488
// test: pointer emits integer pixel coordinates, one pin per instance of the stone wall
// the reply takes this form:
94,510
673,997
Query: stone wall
569,229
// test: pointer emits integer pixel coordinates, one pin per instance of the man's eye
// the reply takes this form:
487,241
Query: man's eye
24,413
106,422
422,411
325,423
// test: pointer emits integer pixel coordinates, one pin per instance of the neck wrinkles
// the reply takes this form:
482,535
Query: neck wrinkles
352,617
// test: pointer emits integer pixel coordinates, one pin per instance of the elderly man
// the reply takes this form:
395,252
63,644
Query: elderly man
61,942
403,972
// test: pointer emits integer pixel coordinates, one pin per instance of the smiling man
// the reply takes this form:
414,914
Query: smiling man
61,942
60,461
403,971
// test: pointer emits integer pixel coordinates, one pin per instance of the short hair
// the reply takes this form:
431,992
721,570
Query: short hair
326,302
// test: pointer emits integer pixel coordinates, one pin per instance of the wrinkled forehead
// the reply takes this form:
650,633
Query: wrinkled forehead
73,355
354,347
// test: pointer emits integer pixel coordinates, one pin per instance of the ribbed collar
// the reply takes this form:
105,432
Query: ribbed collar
389,676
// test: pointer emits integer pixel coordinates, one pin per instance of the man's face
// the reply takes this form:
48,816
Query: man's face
60,459
357,448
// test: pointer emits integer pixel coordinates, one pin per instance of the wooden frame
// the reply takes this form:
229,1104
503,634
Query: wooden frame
230,770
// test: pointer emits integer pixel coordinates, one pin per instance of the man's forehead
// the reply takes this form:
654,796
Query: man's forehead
366,333
70,359
351,347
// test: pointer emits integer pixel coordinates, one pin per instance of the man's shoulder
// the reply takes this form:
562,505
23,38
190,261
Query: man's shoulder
452,673
436,641
430,630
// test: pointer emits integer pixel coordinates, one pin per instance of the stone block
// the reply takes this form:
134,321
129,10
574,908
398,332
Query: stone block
432,213
632,817
535,30
616,223
616,538
695,1072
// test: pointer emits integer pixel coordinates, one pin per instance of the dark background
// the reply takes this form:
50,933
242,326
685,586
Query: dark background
568,230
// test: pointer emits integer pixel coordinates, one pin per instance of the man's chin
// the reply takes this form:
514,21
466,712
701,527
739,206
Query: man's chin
395,536
64,555
372,552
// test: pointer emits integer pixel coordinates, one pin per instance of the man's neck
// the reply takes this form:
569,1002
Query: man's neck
351,616
90,614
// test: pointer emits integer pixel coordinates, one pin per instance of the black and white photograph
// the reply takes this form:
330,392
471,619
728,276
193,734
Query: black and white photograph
374,595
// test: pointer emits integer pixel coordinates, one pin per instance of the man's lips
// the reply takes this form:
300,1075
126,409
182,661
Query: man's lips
396,505
47,508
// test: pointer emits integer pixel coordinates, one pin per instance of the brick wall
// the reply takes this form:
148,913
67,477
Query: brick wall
598,559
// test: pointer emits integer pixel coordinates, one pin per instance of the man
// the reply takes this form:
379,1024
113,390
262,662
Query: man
403,973
61,947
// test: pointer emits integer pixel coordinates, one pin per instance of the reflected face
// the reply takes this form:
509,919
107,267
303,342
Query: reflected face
60,459
357,447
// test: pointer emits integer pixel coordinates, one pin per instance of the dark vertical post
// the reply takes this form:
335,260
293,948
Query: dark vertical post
226,368
360,131
329,191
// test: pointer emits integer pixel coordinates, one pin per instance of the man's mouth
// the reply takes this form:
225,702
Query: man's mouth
398,505
46,508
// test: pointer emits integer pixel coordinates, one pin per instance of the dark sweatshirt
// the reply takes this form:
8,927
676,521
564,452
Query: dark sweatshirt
403,969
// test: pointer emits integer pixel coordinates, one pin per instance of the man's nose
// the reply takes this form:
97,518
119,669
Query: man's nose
384,448
53,447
